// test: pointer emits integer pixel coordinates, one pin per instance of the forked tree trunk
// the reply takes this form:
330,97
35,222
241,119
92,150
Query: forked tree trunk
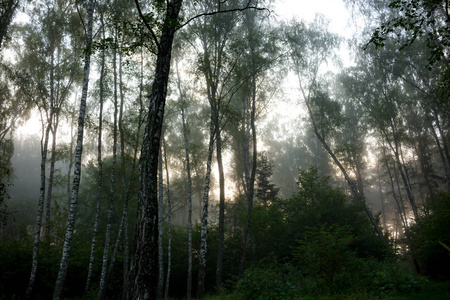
51,177
77,170
44,152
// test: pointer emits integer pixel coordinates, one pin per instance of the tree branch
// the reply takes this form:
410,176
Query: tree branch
248,6
155,39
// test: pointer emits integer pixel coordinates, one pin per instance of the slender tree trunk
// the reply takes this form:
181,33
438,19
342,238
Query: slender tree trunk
99,166
69,171
380,190
445,149
161,224
405,179
136,147
144,269
188,172
204,219
169,203
220,253
104,271
44,150
353,188
445,164
250,177
125,188
51,176
77,171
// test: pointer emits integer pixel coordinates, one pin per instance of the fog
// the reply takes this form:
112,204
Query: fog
223,138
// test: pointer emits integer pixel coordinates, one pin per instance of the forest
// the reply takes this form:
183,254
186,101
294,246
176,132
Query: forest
214,149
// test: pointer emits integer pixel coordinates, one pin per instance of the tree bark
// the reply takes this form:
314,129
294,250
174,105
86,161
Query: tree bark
161,225
144,269
51,177
136,146
204,219
77,170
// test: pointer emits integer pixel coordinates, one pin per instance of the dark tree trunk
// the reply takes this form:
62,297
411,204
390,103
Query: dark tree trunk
7,9
144,261
161,225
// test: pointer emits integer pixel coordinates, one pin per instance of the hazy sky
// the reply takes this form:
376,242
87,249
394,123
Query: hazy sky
306,10
334,10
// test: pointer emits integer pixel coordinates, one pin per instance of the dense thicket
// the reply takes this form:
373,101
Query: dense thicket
195,147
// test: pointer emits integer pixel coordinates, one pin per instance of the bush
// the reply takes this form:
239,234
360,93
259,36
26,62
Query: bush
269,280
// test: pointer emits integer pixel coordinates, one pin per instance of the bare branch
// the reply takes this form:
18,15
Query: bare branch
155,39
248,6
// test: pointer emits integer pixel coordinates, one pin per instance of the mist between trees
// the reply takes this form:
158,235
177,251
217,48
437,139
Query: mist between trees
191,149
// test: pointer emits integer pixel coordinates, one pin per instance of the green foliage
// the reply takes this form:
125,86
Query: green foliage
428,234
411,19
265,190
269,280
325,252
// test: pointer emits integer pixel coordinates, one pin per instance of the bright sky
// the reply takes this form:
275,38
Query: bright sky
334,10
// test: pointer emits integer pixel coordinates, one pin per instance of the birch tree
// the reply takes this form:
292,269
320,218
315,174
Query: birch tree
310,48
99,156
78,154
143,269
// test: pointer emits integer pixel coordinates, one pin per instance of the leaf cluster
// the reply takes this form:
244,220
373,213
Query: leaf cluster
412,19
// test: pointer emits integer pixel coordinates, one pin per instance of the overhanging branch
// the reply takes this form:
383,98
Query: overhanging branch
248,6
155,39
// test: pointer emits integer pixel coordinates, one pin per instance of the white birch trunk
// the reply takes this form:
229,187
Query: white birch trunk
204,220
51,177
77,170
40,212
